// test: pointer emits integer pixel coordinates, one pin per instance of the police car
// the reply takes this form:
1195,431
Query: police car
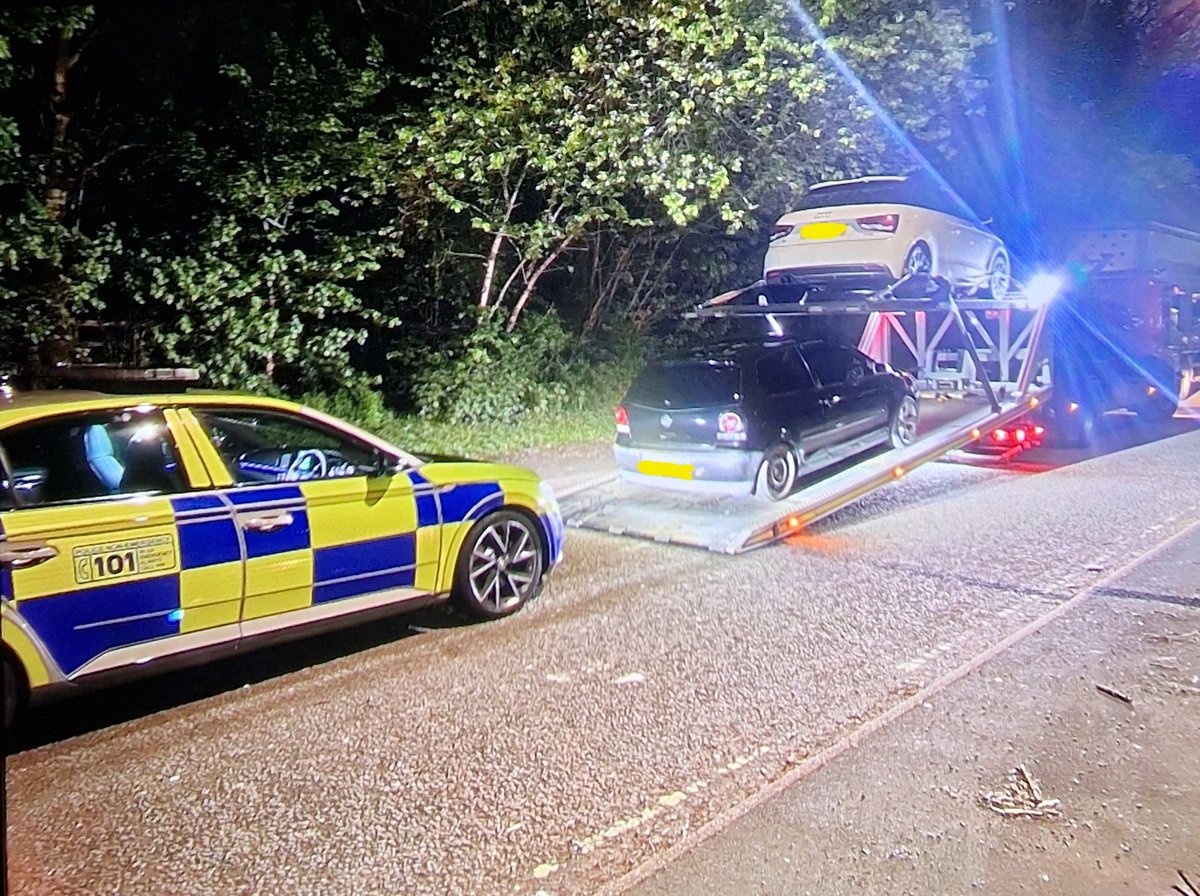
139,529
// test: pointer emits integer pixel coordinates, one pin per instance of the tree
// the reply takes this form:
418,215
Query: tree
552,127
51,270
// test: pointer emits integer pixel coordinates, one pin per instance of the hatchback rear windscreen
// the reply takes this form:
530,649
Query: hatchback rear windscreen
890,192
688,384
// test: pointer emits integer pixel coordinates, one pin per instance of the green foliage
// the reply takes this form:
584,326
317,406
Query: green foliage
497,376
268,281
558,135
308,203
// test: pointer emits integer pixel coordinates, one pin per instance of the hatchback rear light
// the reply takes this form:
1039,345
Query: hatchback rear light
879,223
622,420
731,427
781,230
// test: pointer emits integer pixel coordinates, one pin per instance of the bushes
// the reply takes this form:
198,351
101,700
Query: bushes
497,392
499,377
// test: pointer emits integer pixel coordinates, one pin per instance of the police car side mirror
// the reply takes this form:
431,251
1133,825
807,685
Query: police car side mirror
387,465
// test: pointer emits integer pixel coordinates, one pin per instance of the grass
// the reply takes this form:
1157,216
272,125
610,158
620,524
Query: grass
581,421
422,436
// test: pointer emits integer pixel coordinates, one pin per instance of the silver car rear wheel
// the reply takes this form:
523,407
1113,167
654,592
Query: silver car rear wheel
919,260
999,277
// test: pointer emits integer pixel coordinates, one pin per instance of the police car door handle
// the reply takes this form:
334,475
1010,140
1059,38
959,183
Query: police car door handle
271,523
20,556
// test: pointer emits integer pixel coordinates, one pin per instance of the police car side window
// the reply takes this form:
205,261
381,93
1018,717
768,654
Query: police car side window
84,457
6,490
269,446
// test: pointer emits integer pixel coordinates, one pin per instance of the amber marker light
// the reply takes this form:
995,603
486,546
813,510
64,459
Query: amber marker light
897,472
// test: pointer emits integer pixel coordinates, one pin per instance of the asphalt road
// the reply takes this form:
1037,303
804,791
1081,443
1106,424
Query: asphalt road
646,692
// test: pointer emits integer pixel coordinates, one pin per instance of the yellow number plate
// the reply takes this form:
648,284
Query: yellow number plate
824,230
660,468
122,559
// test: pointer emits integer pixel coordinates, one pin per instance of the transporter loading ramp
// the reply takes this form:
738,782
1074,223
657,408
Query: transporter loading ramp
733,525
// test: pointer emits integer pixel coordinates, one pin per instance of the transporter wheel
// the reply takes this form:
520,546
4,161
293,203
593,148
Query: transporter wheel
777,474
1159,404
500,566
1074,429
903,428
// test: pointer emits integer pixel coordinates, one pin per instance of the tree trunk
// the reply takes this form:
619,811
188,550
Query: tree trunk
531,283
56,195
58,182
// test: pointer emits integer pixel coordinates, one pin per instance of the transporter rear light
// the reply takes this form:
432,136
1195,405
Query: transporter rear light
622,420
879,223
779,231
1000,436
1039,431
1073,407
1020,435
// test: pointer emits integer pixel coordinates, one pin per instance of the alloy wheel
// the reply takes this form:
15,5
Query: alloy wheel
504,565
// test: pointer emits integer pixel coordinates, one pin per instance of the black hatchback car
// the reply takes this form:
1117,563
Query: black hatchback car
749,417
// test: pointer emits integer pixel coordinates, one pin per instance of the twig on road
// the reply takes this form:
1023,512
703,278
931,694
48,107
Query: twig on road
1022,796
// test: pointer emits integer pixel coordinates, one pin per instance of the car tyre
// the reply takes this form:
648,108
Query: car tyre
778,473
919,259
1159,405
999,277
1075,430
902,431
14,695
500,566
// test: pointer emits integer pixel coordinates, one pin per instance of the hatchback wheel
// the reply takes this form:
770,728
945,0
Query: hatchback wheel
903,430
500,566
999,277
777,475
919,260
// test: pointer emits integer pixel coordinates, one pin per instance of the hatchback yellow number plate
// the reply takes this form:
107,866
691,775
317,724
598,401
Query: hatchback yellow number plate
661,468
822,230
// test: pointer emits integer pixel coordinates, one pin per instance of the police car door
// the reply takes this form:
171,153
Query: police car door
90,556
327,529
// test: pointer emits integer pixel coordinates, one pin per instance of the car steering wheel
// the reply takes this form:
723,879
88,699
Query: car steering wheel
307,464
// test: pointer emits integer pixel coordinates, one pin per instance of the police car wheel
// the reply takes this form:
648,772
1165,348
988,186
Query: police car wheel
500,566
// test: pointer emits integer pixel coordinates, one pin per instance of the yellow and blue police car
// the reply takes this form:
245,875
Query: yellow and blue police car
135,530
